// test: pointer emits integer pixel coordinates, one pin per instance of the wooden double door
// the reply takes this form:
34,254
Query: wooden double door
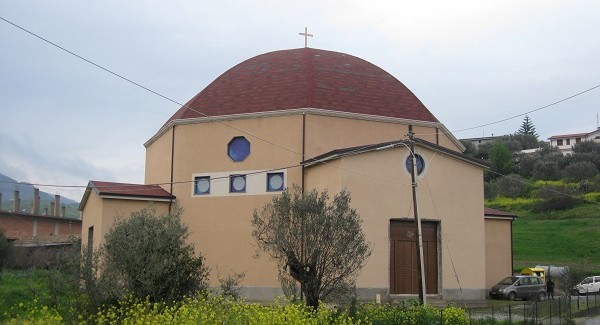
404,269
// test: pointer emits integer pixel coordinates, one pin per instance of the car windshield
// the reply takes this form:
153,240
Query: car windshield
509,280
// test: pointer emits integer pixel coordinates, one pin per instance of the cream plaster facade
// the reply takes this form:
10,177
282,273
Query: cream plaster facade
100,213
498,265
450,192
188,148
381,191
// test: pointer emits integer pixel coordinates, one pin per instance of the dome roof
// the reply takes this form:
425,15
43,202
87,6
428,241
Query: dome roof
306,78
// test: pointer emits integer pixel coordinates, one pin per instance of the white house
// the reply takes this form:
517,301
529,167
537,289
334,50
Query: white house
565,142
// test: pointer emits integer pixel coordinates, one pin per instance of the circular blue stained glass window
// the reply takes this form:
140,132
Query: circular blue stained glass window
420,163
238,149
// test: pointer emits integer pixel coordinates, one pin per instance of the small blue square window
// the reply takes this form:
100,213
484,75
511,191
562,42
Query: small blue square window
238,149
237,183
202,185
275,182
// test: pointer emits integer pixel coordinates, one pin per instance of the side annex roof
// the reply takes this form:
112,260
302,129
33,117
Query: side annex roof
344,152
490,213
126,192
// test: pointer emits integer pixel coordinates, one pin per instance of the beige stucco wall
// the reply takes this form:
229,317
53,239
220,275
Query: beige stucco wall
91,216
326,133
498,249
100,213
158,160
450,191
221,225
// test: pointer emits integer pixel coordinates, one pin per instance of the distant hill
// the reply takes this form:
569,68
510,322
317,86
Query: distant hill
9,185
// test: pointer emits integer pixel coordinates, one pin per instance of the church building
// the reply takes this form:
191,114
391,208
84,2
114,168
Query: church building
328,121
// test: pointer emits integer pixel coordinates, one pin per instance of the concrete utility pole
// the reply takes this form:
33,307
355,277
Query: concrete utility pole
420,260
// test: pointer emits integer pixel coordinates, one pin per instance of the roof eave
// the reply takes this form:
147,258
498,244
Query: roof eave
305,110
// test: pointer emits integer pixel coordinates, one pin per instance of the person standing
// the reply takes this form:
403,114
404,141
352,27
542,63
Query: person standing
550,288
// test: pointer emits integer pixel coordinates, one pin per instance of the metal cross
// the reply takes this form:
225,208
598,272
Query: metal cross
306,36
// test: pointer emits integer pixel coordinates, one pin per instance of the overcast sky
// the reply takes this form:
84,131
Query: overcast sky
65,121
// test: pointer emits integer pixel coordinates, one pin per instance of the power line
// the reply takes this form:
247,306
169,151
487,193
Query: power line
531,111
221,178
144,87
238,129
253,135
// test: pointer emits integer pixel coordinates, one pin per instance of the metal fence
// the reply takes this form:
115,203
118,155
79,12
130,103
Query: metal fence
555,311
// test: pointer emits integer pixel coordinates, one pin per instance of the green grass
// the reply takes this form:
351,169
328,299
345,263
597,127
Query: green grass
22,286
557,242
561,237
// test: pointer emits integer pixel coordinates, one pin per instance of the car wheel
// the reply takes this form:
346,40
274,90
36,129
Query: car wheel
541,296
512,296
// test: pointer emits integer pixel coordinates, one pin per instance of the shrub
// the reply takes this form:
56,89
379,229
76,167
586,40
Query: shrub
151,258
5,248
501,159
527,163
556,198
595,183
230,285
512,186
586,147
592,157
489,190
581,170
546,170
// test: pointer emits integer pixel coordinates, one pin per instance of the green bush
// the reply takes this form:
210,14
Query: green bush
512,186
526,163
230,285
150,257
489,190
546,170
5,248
595,184
581,170
556,198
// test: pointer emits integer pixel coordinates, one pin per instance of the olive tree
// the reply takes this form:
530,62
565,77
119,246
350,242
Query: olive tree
151,258
316,241
501,159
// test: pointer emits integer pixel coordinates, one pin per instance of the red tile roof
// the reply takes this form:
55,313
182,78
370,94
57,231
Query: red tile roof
123,189
306,78
568,136
497,213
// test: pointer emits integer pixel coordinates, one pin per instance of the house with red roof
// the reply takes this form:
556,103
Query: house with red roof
565,142
320,120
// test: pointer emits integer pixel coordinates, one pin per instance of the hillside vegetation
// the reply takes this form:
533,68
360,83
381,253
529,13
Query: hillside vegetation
556,196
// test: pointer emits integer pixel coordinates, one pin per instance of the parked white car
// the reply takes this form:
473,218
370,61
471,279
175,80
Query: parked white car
589,285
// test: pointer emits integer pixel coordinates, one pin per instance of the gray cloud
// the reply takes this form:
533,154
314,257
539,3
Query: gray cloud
66,121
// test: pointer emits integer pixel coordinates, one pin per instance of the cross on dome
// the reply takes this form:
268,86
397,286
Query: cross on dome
306,36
